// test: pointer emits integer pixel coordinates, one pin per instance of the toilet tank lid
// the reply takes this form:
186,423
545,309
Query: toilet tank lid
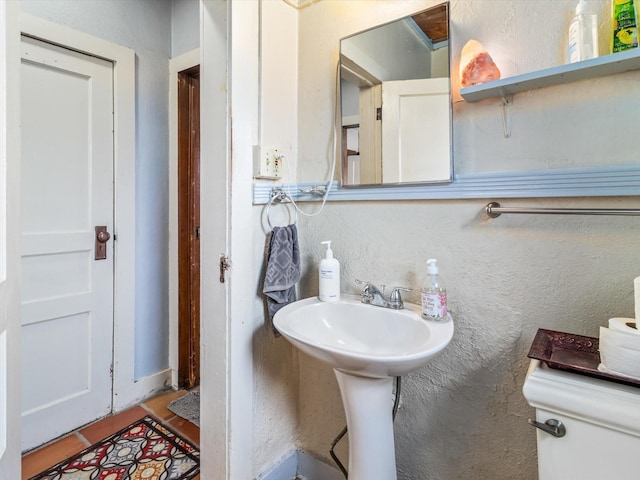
588,399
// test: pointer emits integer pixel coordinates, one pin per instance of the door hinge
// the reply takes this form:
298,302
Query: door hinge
224,266
197,233
379,113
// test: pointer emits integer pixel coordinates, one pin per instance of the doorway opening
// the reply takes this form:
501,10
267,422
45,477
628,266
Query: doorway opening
189,228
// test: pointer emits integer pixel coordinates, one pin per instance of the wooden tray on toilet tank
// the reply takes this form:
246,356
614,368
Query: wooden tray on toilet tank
572,353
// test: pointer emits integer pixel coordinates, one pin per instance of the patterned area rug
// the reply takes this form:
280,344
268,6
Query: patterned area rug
143,450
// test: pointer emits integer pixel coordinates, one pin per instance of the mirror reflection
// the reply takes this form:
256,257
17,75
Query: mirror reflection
396,102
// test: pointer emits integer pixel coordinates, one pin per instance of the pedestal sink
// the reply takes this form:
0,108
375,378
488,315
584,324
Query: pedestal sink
367,346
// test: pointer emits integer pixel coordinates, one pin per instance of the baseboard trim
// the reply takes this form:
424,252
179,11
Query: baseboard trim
311,467
300,465
141,389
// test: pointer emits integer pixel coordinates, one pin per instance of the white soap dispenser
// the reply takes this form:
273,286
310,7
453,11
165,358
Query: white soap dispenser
434,294
329,276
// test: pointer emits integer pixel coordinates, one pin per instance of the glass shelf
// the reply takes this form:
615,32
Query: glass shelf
597,67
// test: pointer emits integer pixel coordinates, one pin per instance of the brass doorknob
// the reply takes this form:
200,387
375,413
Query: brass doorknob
103,236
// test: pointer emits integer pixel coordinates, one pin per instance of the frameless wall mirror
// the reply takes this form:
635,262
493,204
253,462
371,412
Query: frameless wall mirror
396,102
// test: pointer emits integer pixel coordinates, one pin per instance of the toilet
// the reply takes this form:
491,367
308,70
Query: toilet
588,428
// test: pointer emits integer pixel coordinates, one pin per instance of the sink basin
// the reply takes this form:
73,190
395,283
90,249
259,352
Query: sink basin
366,346
363,339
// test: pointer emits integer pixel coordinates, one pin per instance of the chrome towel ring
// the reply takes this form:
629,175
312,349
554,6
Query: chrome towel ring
279,195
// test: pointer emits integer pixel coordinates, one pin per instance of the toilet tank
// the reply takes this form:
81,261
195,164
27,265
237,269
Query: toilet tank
601,420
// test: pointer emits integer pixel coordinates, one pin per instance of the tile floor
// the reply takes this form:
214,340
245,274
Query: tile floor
48,455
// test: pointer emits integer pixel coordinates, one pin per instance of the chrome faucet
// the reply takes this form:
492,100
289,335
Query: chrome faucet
371,295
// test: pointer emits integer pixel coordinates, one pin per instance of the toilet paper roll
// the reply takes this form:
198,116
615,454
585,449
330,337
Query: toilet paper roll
636,295
622,325
619,353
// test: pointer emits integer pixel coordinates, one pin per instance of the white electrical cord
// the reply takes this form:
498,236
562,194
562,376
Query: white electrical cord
326,192
333,163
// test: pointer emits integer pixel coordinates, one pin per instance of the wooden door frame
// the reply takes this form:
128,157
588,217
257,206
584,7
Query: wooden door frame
189,227
178,64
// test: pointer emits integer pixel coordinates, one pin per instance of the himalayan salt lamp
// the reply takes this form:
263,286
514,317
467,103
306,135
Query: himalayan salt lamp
476,65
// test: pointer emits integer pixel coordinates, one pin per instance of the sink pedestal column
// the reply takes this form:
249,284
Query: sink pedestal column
368,408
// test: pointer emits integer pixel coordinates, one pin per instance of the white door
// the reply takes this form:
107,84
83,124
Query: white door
415,149
67,190
9,243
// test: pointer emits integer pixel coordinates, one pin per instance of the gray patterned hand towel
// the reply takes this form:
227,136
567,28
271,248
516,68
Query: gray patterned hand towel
283,269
